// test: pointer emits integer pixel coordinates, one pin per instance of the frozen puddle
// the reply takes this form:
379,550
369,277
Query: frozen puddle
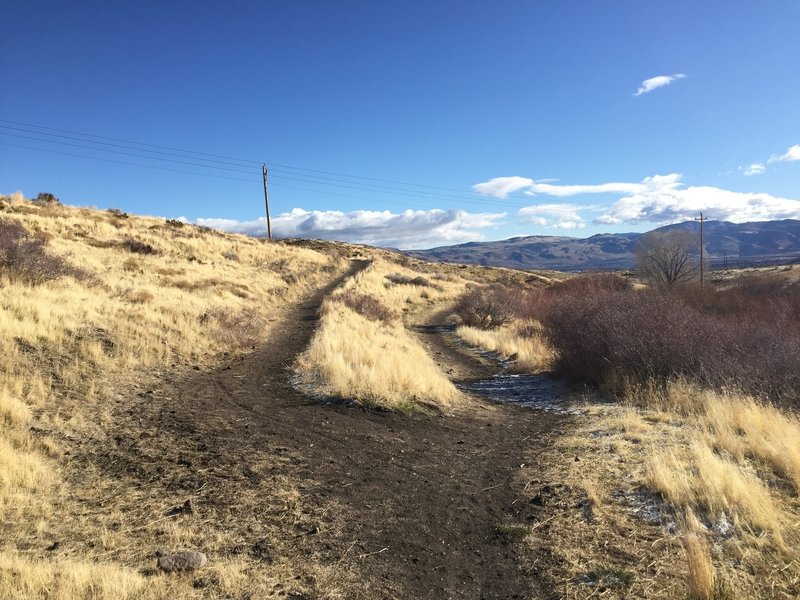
529,391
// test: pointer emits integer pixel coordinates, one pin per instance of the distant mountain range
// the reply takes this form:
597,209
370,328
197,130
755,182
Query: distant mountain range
727,244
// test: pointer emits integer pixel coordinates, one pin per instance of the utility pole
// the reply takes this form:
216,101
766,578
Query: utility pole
266,201
702,220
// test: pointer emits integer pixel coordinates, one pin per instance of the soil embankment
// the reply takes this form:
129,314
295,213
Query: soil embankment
389,506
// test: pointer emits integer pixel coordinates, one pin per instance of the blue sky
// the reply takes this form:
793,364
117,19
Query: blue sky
507,118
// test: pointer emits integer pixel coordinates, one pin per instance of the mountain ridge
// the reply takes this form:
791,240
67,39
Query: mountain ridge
726,244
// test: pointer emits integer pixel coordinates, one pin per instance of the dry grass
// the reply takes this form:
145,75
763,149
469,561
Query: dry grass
66,580
375,360
69,344
520,342
701,576
696,489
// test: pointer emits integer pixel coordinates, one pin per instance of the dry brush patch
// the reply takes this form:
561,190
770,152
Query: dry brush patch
71,344
682,486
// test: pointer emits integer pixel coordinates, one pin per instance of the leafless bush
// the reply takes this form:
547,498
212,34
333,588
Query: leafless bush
24,257
733,338
230,255
137,247
487,307
366,306
243,329
117,213
406,280
46,198
175,223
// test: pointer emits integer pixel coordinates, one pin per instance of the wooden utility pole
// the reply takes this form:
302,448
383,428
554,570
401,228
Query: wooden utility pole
702,220
266,201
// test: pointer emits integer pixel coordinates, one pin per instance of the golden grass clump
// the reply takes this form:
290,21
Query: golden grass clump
373,362
696,487
700,578
371,357
67,579
402,289
704,479
521,342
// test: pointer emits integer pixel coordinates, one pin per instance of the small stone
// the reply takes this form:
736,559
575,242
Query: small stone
171,562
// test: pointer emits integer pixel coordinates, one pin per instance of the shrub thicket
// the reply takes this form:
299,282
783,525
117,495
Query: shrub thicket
366,306
745,336
489,307
137,247
24,257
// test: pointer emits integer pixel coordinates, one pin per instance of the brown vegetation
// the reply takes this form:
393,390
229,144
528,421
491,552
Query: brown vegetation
81,321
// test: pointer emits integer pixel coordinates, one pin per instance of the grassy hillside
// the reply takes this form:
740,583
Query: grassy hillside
679,479
91,305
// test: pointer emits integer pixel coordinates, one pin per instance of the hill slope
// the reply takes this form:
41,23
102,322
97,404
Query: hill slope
726,243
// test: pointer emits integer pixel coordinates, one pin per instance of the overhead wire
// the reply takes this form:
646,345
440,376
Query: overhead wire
122,162
249,161
305,176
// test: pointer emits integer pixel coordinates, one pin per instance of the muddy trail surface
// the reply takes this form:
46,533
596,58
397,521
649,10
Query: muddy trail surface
389,506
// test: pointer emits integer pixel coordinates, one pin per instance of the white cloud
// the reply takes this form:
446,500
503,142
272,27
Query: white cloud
501,187
560,216
648,85
659,199
756,168
406,230
672,203
793,153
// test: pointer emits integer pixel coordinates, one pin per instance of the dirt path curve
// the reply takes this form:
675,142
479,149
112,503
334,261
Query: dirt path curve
402,507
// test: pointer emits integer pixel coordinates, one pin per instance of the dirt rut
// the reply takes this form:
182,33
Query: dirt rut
420,501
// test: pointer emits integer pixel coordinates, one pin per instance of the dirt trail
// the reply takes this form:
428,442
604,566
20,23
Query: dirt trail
404,506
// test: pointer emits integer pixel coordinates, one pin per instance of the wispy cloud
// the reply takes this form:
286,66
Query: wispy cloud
406,230
792,154
559,216
501,187
648,85
659,199
756,168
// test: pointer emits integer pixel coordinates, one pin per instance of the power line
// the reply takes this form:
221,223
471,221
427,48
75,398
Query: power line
122,162
281,174
127,146
101,137
277,185
249,161
86,147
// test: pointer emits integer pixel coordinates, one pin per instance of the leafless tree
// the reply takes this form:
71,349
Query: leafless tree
667,257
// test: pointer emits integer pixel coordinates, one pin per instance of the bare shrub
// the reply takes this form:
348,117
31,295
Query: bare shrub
406,280
366,306
137,247
175,223
140,297
25,258
487,307
230,255
131,265
117,213
47,198
243,329
612,336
